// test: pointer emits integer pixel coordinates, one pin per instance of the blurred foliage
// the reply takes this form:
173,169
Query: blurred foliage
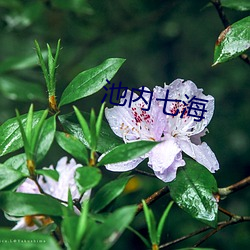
161,41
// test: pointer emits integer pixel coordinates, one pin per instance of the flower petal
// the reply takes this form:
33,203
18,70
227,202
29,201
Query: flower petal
29,187
165,158
125,166
134,123
21,225
201,153
184,91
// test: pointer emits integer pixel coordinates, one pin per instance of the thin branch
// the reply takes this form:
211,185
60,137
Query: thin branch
152,198
224,211
204,229
235,220
223,192
144,173
226,23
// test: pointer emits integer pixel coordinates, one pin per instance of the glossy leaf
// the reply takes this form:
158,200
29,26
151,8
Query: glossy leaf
16,240
19,90
105,235
18,162
107,138
8,176
127,152
90,81
10,136
193,191
53,174
233,41
20,204
87,177
46,137
241,5
73,146
108,193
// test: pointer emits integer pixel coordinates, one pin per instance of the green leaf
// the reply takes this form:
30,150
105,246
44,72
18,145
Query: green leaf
82,223
92,128
87,177
20,204
19,90
241,5
162,221
73,146
90,81
108,193
18,162
16,240
53,174
107,139
193,191
105,235
233,41
74,228
126,152
84,125
8,176
46,138
10,136
69,230
151,223
99,121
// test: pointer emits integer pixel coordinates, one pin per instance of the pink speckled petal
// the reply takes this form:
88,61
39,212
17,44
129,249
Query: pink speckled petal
180,89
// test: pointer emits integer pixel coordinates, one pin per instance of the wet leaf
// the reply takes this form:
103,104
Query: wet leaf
107,138
87,177
126,152
90,81
193,191
233,41
73,146
46,137
9,176
20,204
10,135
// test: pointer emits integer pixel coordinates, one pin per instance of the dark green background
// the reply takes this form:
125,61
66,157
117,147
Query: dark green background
162,41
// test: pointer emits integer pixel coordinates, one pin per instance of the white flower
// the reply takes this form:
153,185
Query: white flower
178,133
58,189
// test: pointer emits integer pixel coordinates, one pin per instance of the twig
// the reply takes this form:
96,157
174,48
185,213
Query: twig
224,211
152,198
204,229
235,220
223,192
226,23
144,173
